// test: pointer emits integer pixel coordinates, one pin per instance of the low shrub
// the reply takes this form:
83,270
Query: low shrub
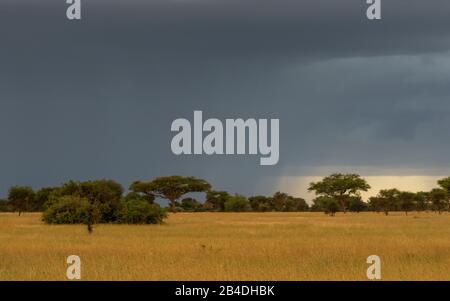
137,211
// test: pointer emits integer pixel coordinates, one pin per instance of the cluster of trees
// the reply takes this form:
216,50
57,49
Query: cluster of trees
88,202
104,201
222,201
341,192
394,200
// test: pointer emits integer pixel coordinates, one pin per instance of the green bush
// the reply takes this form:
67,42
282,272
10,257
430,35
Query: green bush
237,203
104,195
331,206
67,210
138,211
326,204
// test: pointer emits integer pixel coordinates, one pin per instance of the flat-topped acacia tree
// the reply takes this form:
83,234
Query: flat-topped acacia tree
341,187
439,199
21,198
170,188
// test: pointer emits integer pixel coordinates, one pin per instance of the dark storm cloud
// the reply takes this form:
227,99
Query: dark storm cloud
95,98
244,28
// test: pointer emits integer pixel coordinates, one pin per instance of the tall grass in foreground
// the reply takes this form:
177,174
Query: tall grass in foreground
231,246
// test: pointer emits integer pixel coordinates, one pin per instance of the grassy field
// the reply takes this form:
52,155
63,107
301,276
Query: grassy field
232,246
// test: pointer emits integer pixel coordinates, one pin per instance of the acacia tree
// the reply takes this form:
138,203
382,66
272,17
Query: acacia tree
20,198
294,204
375,204
406,201
445,184
171,188
422,200
284,202
341,187
41,197
279,201
260,203
386,200
215,200
104,199
439,199
237,203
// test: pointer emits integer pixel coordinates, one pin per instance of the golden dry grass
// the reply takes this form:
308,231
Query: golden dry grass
232,246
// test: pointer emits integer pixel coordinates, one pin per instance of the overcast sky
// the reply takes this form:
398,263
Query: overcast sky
95,98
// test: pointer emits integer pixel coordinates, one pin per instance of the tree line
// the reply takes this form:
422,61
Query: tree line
342,193
105,201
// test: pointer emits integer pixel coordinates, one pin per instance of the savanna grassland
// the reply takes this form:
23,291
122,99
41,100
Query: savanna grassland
231,246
